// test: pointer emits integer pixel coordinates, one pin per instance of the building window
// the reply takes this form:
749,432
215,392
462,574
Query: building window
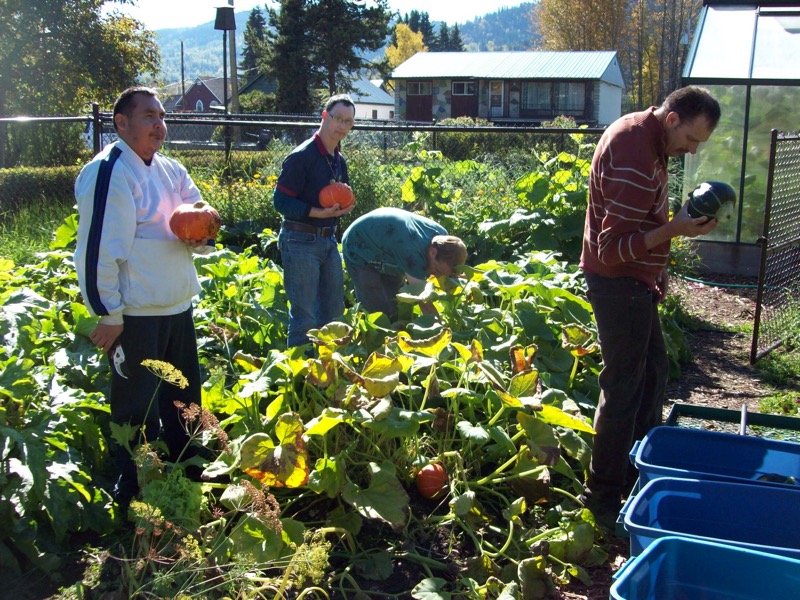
569,97
374,114
463,88
198,106
554,97
419,88
391,114
536,95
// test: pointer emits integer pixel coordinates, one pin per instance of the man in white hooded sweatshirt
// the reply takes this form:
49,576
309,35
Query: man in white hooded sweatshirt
138,278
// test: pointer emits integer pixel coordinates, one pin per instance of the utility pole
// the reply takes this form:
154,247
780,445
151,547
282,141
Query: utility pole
233,59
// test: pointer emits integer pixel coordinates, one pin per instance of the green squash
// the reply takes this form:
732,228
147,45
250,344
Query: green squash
708,198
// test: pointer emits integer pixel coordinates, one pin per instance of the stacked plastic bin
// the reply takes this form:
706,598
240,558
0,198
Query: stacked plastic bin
714,515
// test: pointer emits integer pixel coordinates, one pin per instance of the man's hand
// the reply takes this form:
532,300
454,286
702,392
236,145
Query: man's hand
689,226
662,281
681,224
200,246
104,336
330,212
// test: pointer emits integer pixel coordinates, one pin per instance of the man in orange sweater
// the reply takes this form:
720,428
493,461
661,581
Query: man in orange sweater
626,246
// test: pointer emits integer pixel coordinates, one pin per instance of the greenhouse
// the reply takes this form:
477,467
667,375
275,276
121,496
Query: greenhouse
747,55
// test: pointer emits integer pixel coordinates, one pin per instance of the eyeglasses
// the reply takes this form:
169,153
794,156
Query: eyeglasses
341,120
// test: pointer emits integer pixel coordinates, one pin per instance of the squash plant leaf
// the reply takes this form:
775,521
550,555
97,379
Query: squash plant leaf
432,588
281,465
432,346
495,380
475,433
380,375
399,423
555,416
328,476
385,498
66,234
578,340
327,420
332,334
257,540
524,384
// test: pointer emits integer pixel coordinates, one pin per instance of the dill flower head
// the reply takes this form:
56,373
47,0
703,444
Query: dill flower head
165,371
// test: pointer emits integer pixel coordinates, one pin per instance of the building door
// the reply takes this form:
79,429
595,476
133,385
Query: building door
464,100
496,99
419,102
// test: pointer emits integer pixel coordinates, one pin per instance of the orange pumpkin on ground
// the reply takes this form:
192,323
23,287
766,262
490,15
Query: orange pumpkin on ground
432,481
336,193
198,221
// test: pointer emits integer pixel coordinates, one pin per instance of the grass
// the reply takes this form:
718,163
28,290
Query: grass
29,229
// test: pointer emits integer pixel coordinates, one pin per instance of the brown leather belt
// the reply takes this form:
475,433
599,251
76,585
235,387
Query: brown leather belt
306,228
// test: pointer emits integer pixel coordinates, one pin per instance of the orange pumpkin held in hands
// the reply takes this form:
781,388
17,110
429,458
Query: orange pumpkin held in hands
336,193
198,221
432,481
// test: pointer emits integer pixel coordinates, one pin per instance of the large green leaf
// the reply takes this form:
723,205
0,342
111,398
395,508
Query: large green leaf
385,498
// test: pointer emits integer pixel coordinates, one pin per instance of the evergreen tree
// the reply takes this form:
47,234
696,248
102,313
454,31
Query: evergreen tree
443,39
288,61
456,43
421,23
426,29
341,31
255,35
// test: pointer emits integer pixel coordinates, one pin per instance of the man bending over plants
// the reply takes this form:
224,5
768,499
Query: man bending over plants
138,277
626,246
387,246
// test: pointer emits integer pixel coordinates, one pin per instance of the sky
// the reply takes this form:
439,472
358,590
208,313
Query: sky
164,14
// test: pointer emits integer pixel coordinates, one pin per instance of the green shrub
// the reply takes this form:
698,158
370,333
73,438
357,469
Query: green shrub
474,145
21,186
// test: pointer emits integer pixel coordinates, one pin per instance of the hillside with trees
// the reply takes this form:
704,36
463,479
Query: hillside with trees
506,29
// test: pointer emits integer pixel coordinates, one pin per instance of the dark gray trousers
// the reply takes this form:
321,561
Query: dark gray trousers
144,400
633,380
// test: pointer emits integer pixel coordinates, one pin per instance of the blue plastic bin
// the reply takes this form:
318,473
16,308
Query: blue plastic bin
758,517
676,568
697,454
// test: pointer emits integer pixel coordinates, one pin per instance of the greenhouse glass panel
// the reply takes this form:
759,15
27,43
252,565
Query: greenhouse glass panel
720,158
771,107
777,48
724,44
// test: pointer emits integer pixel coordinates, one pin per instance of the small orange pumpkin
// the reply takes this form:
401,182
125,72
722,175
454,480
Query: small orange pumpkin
432,481
336,193
198,221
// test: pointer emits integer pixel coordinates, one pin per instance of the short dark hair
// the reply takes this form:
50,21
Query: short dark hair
339,99
692,101
450,249
126,101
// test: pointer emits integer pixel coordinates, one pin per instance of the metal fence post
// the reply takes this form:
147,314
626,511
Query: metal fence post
97,128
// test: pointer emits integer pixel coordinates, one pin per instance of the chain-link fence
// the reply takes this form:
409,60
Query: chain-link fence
235,161
777,317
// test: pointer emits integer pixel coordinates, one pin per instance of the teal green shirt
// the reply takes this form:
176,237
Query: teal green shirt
392,241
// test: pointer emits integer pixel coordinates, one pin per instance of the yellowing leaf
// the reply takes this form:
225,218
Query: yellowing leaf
283,465
431,346
380,375
556,416
578,340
